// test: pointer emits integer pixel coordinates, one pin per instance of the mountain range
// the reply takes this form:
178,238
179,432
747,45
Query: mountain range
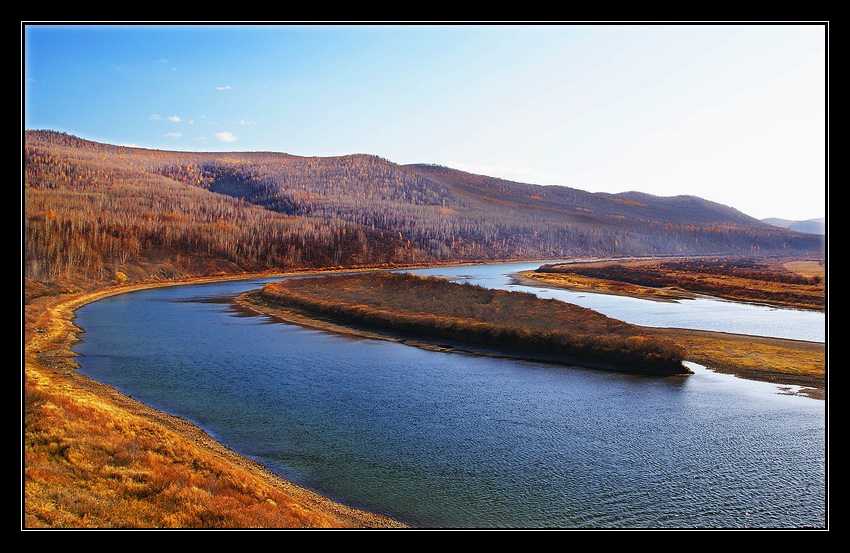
96,212
812,226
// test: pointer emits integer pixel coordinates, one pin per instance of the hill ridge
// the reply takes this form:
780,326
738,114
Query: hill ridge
96,207
811,226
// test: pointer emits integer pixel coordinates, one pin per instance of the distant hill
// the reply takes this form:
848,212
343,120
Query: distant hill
811,226
99,212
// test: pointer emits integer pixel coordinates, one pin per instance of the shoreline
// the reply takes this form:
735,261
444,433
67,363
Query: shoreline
252,302
765,284
662,296
655,294
50,367
747,356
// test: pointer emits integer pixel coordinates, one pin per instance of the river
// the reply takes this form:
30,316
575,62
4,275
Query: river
699,313
447,440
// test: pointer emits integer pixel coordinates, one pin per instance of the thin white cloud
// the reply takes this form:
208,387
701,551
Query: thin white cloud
225,87
174,134
165,62
174,118
225,136
244,122
156,117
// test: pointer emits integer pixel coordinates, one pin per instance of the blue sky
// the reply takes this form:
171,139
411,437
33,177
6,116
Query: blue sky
732,113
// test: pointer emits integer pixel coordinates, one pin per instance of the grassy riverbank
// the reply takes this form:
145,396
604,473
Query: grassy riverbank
438,309
776,360
94,458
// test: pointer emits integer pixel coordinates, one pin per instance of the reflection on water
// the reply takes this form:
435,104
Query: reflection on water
441,439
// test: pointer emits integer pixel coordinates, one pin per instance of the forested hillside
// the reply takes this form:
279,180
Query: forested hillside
100,213
96,213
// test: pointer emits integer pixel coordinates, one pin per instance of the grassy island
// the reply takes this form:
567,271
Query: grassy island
435,308
799,284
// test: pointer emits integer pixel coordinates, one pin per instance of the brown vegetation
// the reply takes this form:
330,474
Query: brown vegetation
93,212
799,283
441,309
577,282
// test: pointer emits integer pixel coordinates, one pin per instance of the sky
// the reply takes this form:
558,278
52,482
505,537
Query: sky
736,114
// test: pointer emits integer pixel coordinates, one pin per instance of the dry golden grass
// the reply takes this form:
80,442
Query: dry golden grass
807,268
601,286
94,458
792,362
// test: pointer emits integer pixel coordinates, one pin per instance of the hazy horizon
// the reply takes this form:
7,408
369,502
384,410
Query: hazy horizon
735,114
